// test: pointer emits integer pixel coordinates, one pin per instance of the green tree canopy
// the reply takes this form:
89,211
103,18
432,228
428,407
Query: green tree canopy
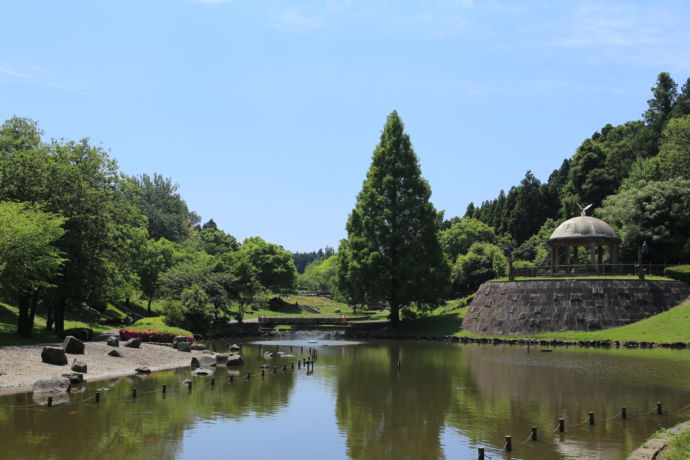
276,270
462,234
167,213
659,213
483,262
392,255
29,258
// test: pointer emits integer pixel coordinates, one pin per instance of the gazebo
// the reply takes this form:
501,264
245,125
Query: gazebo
583,231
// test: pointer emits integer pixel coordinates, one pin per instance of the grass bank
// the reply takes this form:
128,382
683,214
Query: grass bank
606,277
670,326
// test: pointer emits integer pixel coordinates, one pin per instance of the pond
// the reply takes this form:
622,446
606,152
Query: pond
443,401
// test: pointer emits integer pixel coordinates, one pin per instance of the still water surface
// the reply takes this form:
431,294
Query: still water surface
444,401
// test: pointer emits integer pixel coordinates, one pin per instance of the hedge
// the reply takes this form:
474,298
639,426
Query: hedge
151,336
678,272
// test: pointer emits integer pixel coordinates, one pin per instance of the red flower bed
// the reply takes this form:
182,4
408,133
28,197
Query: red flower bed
151,336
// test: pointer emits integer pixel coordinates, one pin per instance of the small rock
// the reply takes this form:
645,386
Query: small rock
115,354
52,385
54,355
184,346
73,345
74,377
202,372
142,370
235,347
79,366
113,341
199,347
133,342
186,382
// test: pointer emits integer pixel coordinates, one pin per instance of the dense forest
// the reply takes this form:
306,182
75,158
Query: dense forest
635,175
74,230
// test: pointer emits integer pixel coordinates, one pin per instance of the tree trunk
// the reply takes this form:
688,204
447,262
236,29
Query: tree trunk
34,307
50,316
149,305
24,326
60,316
395,314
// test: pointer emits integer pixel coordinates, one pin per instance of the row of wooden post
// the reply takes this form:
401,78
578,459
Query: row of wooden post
561,429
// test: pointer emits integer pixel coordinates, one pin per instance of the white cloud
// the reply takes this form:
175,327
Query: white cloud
292,19
33,75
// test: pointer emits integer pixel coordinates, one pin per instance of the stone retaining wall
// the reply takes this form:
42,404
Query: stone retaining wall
529,307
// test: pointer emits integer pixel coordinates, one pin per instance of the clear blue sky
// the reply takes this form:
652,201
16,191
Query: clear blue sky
266,112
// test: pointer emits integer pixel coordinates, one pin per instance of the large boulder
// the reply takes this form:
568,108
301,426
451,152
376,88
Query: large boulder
235,347
134,342
73,345
79,366
54,355
115,354
184,346
52,385
199,347
113,341
235,360
179,339
203,361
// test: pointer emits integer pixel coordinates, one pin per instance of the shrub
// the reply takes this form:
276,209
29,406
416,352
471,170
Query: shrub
82,333
151,336
678,272
192,312
483,262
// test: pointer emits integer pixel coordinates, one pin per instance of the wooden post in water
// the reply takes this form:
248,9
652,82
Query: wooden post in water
480,453
509,443
561,425
165,389
262,373
534,433
624,413
398,364
50,401
232,378
98,396
213,382
299,364
189,386
134,392
249,375
591,418
659,410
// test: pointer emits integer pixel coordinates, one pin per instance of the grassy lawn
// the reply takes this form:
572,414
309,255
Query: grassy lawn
156,324
85,317
671,326
608,277
679,448
325,306
82,317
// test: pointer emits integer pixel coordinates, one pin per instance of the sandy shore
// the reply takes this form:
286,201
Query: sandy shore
21,366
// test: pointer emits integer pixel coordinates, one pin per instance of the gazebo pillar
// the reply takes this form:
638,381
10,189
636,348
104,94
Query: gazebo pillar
593,250
567,254
554,257
575,258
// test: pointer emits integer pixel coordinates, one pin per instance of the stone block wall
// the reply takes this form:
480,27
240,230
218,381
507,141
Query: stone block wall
529,307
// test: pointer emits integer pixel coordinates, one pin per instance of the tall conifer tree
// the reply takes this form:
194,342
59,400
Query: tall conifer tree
392,255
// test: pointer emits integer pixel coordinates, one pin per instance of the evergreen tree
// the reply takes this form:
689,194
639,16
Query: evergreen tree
392,249
660,106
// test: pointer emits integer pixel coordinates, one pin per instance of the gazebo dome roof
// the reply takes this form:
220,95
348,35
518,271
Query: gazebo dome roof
583,229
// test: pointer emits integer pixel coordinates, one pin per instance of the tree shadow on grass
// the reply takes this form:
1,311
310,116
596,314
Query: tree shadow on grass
439,325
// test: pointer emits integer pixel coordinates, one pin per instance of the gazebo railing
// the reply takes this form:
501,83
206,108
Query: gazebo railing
589,270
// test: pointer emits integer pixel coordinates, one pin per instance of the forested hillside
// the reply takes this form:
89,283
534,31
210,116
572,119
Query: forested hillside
635,175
